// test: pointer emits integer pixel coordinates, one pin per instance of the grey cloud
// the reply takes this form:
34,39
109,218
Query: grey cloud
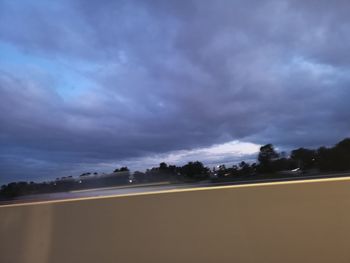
175,75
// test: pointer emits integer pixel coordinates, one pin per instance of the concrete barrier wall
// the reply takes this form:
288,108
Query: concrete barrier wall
284,222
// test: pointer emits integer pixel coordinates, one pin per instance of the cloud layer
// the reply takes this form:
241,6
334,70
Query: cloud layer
89,83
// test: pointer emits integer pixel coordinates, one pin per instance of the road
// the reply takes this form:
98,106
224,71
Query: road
151,188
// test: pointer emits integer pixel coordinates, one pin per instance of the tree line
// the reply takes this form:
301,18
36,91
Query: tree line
270,164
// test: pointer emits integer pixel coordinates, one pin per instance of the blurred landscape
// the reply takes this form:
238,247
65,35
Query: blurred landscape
270,165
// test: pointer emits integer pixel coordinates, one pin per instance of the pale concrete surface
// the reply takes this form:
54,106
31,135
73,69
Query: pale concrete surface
276,222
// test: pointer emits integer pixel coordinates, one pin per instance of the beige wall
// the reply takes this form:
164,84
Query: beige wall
286,222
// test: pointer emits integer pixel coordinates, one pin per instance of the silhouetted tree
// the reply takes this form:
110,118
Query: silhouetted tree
266,156
336,158
324,159
304,158
244,168
163,166
195,170
221,171
341,155
122,169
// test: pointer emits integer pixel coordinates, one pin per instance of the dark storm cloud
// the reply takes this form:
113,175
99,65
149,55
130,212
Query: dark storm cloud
162,76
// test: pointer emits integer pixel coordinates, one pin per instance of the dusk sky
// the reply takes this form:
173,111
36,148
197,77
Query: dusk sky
94,85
